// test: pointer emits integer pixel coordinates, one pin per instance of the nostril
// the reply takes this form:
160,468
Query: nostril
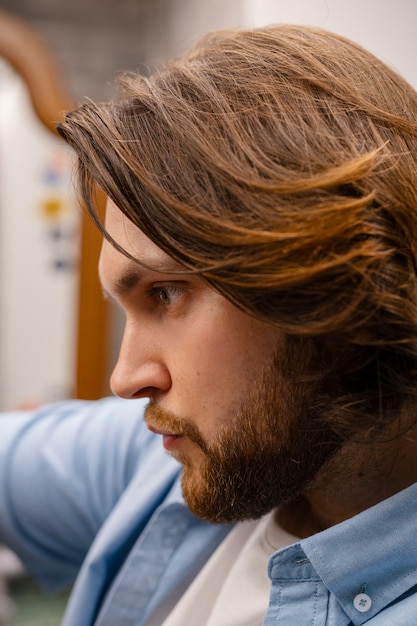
145,392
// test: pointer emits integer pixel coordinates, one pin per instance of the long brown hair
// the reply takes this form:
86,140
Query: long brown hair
281,165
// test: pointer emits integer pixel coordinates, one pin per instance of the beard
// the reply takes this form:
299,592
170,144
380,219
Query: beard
265,454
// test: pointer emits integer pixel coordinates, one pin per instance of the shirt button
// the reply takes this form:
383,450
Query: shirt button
362,602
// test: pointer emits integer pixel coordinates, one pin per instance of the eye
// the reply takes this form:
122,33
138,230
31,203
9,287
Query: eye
169,294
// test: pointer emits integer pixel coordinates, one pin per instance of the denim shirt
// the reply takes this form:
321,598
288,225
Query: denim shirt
87,493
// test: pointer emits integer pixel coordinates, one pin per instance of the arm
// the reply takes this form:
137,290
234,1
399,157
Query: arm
62,470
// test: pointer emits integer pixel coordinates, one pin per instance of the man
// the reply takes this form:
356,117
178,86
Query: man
261,237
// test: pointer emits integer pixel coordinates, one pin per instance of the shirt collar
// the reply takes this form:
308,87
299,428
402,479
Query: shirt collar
374,553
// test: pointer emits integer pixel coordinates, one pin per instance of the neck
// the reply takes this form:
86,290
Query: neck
356,478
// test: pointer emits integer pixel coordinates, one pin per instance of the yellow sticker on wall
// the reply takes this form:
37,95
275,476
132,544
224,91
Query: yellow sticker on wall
52,207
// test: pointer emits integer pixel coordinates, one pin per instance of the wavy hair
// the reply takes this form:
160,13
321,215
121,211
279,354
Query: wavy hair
280,164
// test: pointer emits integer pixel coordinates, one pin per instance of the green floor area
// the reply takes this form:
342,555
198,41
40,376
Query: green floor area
32,607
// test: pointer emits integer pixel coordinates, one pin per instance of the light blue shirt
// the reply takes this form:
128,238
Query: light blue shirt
88,493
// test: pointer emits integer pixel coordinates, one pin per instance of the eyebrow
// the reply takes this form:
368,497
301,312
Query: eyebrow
132,276
127,282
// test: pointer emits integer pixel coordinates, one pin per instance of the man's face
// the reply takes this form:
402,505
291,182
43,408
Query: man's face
224,389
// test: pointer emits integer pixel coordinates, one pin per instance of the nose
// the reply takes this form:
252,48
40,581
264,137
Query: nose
140,370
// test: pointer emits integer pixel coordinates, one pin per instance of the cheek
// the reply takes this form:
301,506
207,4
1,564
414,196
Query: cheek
216,362
209,355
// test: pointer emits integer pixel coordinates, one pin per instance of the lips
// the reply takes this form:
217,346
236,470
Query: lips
169,440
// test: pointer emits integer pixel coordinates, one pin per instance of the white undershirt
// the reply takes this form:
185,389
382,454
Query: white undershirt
233,587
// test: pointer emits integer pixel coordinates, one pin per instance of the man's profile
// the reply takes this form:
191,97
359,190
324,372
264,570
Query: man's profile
261,238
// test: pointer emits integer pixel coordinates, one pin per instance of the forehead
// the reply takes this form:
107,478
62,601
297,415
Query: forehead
133,241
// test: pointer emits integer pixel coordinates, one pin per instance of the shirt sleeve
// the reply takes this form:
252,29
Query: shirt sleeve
62,470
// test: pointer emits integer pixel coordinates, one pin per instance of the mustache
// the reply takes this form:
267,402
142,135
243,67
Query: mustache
168,422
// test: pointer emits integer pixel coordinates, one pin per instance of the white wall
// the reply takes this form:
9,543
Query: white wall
38,254
188,20
388,28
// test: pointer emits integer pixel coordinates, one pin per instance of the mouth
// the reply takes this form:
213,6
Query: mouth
169,440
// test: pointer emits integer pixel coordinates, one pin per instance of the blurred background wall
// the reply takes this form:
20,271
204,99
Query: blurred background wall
93,40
